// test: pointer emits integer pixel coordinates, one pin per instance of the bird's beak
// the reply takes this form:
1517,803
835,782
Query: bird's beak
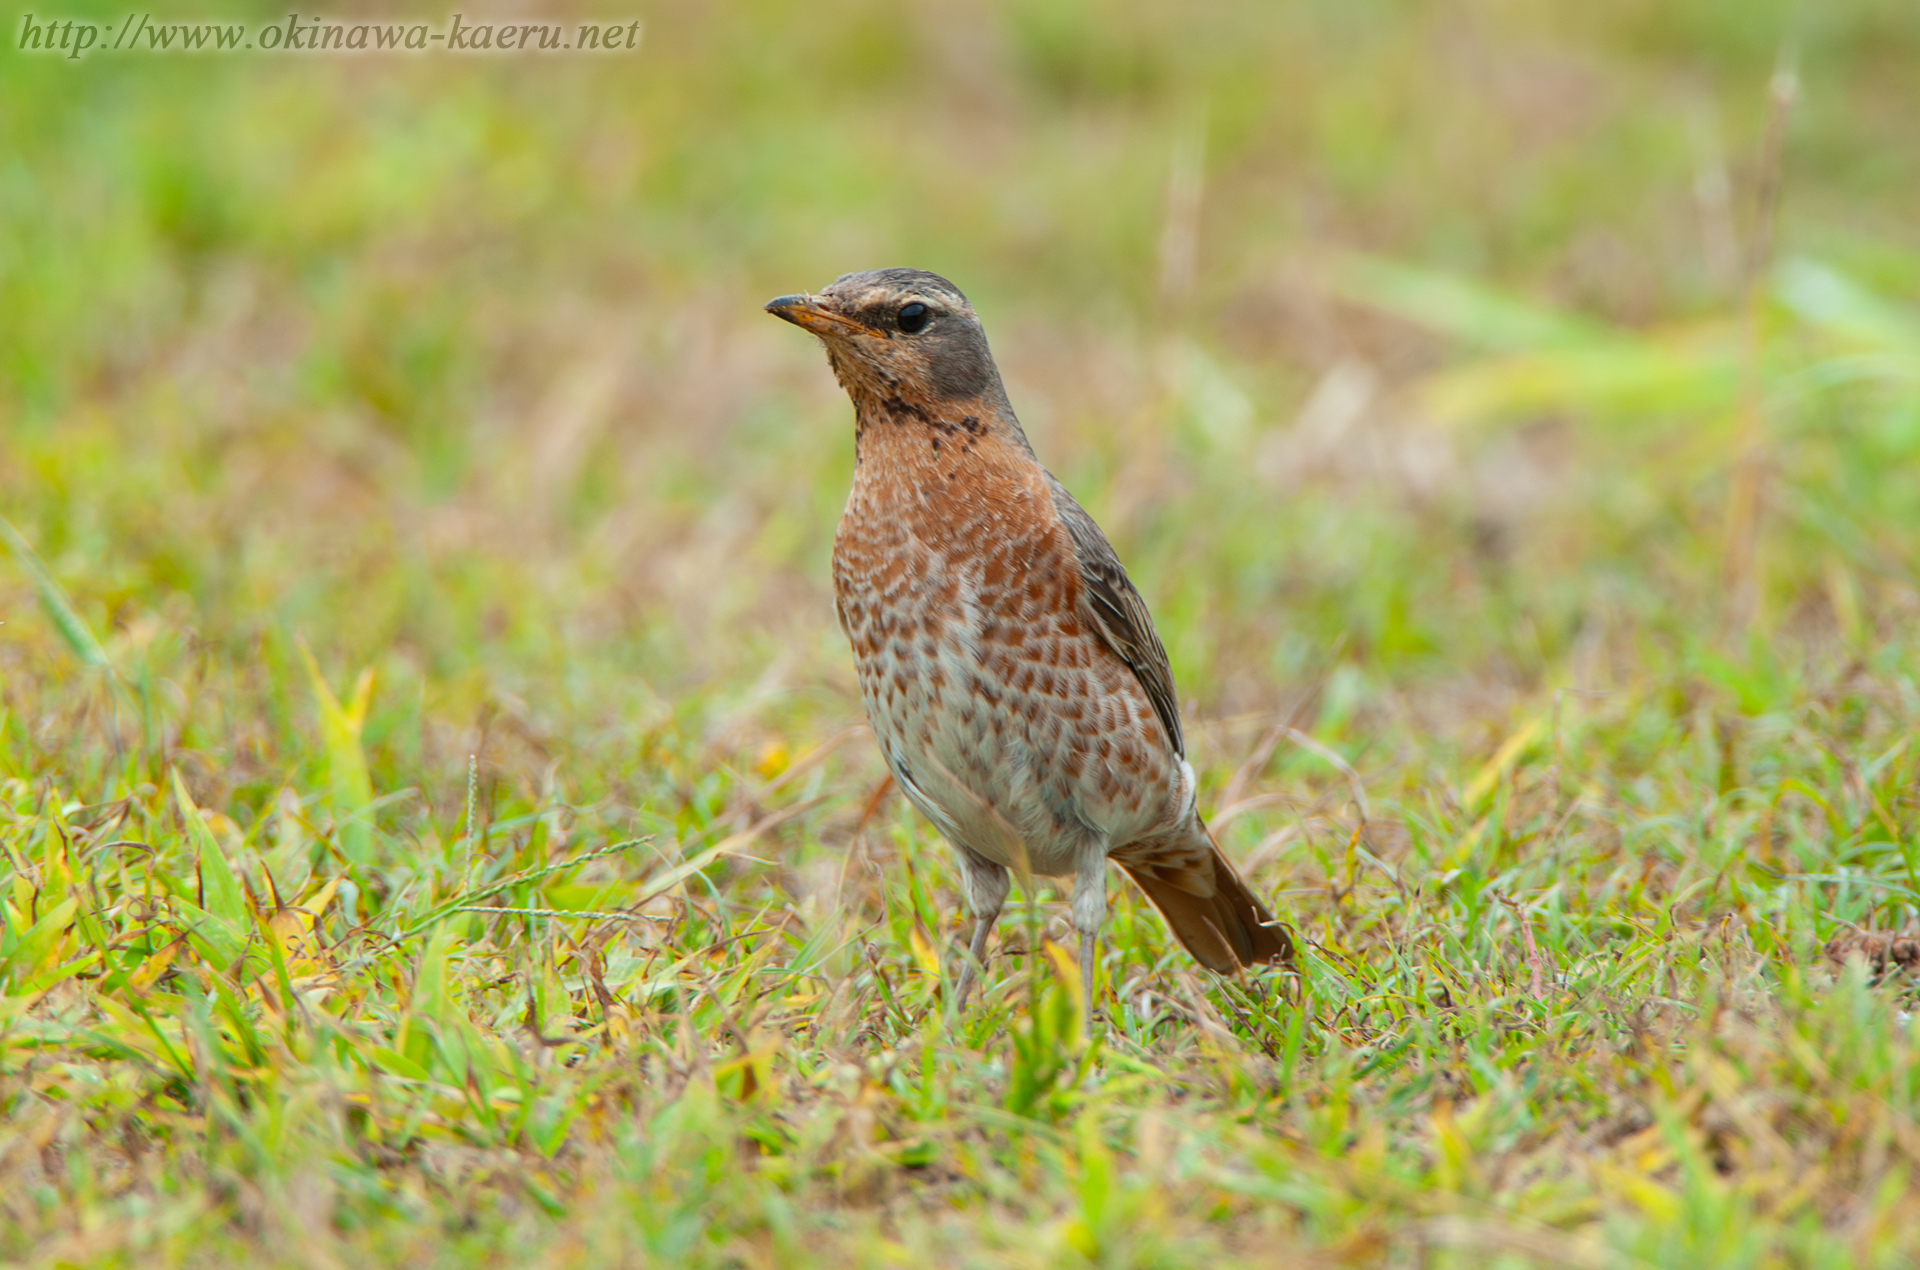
807,311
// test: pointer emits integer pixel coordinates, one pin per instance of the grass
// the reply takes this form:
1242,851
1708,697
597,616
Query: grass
436,824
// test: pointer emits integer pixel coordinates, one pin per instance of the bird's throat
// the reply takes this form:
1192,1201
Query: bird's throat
937,469
901,429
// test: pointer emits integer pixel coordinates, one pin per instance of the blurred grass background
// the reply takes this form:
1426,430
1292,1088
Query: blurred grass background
1413,356
454,365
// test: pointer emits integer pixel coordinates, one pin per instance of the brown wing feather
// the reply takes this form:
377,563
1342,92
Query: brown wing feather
1118,612
1224,930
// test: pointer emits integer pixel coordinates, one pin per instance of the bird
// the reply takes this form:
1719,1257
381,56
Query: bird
1010,670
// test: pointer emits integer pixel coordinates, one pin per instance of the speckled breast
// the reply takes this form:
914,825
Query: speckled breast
1002,716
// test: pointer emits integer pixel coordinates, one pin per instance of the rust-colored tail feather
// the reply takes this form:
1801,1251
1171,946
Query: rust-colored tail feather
1224,931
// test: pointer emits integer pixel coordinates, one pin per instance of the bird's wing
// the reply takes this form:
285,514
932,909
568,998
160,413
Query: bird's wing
1118,612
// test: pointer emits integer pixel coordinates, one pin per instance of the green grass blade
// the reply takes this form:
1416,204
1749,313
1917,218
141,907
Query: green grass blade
349,787
53,598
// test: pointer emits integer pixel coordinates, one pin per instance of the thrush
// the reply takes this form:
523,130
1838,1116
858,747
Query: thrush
1010,670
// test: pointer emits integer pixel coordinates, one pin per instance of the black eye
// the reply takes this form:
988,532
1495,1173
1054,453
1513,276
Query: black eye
913,317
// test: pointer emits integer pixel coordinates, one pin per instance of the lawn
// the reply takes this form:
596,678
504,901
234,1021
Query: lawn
437,822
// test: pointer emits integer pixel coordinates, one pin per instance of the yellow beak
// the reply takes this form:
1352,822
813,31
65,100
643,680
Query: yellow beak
808,312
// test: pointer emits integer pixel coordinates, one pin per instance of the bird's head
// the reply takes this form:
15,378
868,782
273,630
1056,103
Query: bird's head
900,335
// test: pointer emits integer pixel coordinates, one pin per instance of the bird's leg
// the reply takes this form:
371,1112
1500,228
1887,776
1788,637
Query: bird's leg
976,958
1089,946
986,885
1089,914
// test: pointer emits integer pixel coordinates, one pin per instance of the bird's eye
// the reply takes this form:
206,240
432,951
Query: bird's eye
914,316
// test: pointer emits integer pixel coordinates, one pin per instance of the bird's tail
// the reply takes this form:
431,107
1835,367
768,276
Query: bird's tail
1224,930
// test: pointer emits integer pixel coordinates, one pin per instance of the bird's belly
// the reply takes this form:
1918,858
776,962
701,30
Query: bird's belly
1030,745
